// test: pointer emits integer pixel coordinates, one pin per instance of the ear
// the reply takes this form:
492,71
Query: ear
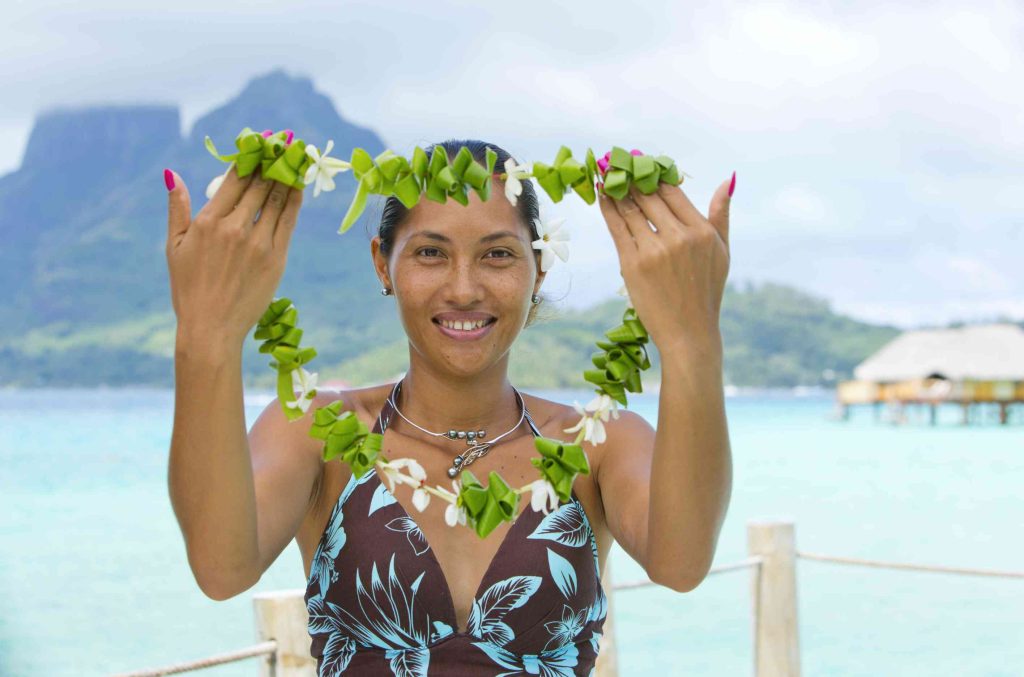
380,262
540,281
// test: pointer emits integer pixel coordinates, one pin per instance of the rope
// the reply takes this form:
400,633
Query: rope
911,567
260,649
742,564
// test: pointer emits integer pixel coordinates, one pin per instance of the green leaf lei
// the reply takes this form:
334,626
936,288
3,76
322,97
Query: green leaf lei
622,356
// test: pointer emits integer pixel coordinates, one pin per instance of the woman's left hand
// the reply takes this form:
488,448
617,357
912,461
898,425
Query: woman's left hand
675,276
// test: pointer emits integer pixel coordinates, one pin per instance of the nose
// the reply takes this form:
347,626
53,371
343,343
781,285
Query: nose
464,288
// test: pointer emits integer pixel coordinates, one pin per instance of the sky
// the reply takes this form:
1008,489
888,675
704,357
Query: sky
877,146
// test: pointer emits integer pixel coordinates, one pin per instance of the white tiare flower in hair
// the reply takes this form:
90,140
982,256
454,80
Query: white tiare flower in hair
513,180
393,473
305,383
553,240
544,497
323,169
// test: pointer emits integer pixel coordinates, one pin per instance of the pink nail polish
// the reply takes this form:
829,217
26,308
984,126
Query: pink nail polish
266,132
732,186
169,179
635,152
289,137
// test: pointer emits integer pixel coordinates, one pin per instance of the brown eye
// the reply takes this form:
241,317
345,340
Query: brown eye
428,249
502,251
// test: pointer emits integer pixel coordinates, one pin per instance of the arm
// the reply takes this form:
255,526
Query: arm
666,492
238,499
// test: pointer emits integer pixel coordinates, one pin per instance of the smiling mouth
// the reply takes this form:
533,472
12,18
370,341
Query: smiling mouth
458,326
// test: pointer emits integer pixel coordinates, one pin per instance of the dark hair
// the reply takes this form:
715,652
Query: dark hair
394,212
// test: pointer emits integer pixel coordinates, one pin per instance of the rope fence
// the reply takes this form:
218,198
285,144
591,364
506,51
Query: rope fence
281,615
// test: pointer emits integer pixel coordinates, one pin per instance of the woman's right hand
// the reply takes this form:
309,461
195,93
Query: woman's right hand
224,268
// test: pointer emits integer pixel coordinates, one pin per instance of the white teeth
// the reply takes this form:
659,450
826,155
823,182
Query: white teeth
463,326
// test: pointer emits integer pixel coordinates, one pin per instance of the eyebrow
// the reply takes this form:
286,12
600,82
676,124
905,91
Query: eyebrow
486,238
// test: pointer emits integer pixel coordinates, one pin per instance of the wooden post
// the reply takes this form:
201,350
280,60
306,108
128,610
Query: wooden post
608,656
281,615
773,588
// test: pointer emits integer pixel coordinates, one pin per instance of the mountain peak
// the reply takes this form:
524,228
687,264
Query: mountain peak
107,135
278,100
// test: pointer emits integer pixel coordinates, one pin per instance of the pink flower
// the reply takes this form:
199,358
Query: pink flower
602,164
269,132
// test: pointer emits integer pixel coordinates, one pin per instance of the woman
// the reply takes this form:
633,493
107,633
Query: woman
393,589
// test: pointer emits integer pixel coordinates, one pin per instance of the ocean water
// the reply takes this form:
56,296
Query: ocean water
94,579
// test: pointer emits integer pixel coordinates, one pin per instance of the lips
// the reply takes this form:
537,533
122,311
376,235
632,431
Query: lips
464,335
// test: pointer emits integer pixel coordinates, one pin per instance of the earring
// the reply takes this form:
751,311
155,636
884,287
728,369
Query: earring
385,291
535,299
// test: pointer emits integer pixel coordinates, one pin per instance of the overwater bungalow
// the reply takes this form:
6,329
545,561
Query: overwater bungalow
965,366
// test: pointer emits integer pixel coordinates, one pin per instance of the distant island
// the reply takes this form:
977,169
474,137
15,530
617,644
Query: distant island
88,300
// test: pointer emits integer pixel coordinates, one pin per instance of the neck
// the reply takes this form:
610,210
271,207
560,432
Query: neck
441,402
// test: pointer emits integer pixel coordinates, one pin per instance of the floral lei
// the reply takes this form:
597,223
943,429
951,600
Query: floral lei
617,365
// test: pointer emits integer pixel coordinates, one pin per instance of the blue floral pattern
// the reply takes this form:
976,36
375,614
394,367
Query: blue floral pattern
379,603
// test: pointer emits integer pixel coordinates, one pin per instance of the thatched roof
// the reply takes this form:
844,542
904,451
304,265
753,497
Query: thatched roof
988,352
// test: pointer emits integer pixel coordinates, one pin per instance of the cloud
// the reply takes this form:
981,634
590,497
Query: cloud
800,203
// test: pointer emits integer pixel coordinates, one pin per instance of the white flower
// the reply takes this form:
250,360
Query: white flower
544,496
305,382
323,168
453,514
514,174
553,240
420,499
603,405
393,473
625,292
596,411
211,188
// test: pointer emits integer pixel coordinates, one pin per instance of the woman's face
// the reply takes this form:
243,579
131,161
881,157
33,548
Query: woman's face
462,264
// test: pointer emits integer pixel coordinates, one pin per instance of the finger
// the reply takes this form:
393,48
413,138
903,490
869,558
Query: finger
718,211
252,200
227,196
624,241
680,205
637,222
655,209
271,211
289,217
179,208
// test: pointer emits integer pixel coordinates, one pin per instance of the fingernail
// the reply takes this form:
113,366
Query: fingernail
169,179
266,132
291,135
732,186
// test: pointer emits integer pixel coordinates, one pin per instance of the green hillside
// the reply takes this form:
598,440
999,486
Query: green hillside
773,336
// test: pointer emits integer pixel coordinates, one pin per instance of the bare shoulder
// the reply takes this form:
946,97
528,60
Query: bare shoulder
275,439
622,431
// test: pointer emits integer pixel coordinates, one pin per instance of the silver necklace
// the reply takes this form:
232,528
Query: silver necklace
474,438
